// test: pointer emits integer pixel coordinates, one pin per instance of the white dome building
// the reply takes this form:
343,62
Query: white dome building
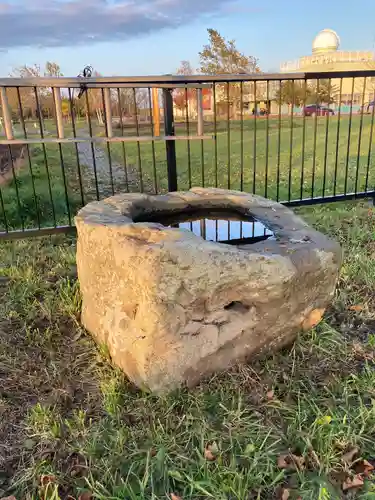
326,56
325,41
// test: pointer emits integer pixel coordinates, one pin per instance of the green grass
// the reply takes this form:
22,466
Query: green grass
234,160
41,192
70,422
283,166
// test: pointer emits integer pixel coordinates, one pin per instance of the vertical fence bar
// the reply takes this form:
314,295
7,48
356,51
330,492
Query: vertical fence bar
278,146
187,122
228,134
326,141
153,143
200,112
16,187
41,131
72,116
255,137
337,141
7,114
138,143
267,139
303,140
170,146
23,125
241,135
5,219
360,135
201,128
60,133
92,145
291,143
349,136
106,100
315,134
215,135
370,144
120,111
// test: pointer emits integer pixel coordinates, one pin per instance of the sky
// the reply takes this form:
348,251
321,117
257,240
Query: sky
150,37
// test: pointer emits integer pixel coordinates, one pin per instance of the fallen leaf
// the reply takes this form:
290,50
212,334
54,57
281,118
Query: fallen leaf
250,448
356,308
9,498
208,455
360,351
314,457
175,497
47,479
211,451
326,419
281,462
363,467
355,482
299,461
312,319
348,457
285,494
270,395
85,495
291,462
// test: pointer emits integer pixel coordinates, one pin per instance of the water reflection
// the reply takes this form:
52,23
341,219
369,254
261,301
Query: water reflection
228,231
222,226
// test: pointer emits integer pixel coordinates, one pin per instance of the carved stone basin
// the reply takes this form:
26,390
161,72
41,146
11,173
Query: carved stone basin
173,306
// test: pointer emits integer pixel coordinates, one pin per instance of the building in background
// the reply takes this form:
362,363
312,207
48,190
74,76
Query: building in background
326,57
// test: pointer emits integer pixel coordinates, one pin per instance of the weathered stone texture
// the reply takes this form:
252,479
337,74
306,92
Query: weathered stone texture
172,307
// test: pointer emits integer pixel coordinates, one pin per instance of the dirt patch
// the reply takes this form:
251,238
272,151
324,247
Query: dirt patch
12,156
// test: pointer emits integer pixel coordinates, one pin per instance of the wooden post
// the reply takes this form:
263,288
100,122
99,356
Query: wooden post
7,114
58,108
156,111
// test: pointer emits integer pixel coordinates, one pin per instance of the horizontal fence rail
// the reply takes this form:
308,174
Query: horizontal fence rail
298,138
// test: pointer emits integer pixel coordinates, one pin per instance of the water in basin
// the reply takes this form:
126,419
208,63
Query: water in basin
220,225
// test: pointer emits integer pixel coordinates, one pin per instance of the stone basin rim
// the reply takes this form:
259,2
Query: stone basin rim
122,210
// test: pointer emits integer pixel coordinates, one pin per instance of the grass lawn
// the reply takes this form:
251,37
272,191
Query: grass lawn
70,422
243,153
284,166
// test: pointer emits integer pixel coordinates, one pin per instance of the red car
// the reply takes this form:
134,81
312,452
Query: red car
317,109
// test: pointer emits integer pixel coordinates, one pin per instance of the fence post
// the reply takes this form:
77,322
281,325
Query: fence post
58,109
170,145
7,114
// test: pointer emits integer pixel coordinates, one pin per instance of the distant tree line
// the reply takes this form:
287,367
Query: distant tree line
40,102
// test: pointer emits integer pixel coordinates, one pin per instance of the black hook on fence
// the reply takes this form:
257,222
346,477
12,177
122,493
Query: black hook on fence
86,73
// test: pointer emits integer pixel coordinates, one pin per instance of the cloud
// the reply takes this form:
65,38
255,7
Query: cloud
71,22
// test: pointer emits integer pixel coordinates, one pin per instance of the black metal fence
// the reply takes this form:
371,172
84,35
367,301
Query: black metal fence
298,138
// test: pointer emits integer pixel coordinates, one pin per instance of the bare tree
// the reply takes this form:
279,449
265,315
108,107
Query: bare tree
181,96
27,94
52,69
